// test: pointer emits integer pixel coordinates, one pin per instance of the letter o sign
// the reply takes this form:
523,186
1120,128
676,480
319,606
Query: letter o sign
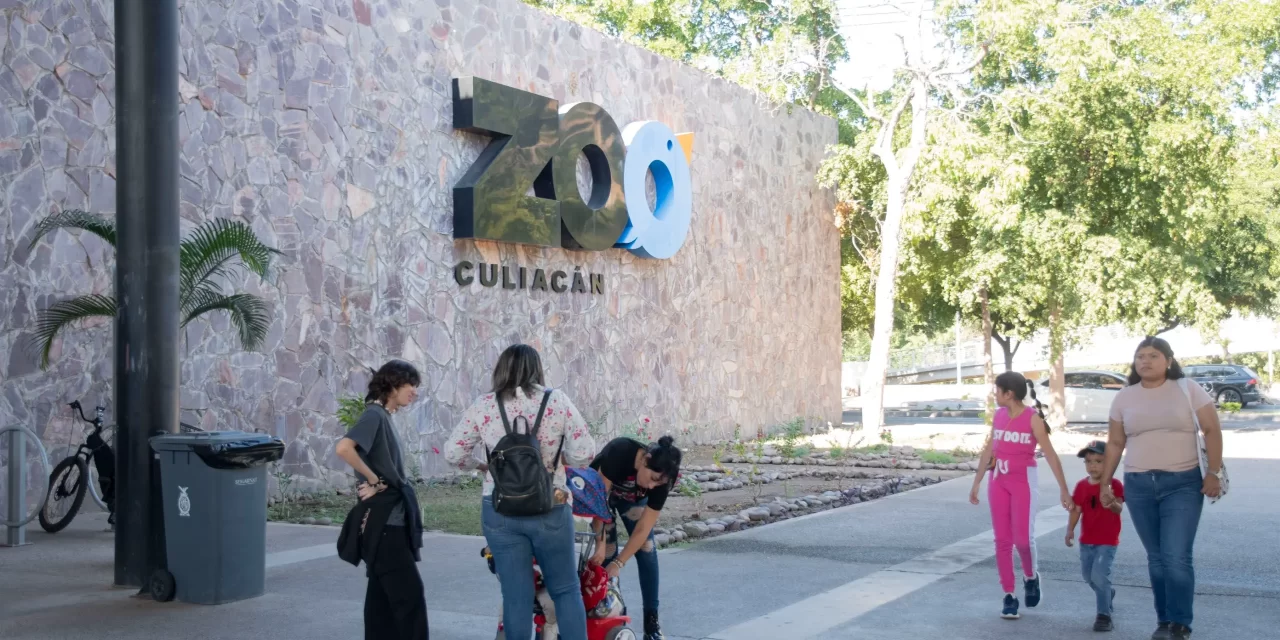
658,233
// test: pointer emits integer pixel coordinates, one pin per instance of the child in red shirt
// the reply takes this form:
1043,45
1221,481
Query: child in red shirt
1100,534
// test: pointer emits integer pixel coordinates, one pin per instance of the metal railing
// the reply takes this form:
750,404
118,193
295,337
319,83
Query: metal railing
16,519
934,357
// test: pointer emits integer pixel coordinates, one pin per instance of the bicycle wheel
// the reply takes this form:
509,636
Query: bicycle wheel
67,486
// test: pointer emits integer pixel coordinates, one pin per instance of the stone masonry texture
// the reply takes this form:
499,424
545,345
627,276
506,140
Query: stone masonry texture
327,126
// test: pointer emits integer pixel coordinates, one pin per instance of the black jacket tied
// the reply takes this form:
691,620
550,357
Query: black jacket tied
355,545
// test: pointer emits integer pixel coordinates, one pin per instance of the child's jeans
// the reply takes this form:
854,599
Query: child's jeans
1095,565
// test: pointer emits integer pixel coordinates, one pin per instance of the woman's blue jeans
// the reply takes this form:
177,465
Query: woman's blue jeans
646,558
514,543
1165,507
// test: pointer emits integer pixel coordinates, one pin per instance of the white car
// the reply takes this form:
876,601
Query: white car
1089,394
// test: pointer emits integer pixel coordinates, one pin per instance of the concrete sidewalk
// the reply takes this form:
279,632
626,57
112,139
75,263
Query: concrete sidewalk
59,587
915,565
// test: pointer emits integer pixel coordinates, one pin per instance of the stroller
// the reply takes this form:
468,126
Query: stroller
606,613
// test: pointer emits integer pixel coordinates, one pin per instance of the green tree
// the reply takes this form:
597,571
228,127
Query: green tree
210,258
1128,152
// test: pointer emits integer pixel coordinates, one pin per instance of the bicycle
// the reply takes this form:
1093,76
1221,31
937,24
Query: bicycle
72,478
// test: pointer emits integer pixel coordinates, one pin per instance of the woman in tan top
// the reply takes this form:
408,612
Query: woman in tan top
1153,421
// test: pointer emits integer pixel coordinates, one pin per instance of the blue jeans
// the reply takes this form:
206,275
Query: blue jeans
1095,565
646,558
1165,507
514,543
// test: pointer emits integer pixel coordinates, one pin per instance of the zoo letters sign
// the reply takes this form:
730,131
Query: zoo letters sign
536,144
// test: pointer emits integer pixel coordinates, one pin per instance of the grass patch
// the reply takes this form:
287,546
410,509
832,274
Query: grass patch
961,452
452,508
937,457
875,448
331,506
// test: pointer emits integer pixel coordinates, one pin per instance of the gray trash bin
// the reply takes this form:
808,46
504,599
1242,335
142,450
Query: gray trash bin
215,514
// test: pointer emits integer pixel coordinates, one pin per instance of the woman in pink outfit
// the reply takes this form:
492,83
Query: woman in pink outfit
1010,455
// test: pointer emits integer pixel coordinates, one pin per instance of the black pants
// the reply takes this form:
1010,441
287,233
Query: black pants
395,607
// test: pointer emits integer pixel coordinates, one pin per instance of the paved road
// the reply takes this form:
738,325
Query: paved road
910,567
1251,418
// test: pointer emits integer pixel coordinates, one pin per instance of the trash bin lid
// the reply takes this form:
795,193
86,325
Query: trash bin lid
224,449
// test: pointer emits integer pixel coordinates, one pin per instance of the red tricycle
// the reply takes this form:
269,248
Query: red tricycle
607,617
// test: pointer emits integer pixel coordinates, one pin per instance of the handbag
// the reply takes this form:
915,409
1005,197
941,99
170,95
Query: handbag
1224,479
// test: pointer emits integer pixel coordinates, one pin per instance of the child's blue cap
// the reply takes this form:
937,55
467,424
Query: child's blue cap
1097,446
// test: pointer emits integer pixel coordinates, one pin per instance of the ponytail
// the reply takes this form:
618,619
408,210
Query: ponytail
1031,387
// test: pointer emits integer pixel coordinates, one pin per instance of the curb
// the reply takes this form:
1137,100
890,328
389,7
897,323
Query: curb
913,413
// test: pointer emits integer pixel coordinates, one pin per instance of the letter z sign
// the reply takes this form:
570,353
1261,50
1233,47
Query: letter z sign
536,143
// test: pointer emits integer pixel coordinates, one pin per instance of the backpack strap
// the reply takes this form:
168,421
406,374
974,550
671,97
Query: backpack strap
537,422
506,424
546,398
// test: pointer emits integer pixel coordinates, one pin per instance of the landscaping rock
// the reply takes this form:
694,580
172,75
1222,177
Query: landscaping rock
695,529
716,527
324,521
662,540
758,514
307,521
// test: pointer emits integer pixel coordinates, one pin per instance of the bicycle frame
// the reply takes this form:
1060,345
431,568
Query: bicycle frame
96,451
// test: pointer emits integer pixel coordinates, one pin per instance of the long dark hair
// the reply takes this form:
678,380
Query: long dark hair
1159,344
1020,386
664,458
519,367
393,375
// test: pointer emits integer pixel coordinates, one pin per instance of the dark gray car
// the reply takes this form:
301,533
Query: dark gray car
1226,382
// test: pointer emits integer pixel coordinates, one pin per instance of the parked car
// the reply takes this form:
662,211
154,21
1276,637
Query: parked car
1089,394
1226,382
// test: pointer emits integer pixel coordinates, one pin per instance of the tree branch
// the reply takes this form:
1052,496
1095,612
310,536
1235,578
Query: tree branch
973,64
867,110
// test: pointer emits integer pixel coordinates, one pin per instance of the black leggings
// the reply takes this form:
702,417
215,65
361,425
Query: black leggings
395,607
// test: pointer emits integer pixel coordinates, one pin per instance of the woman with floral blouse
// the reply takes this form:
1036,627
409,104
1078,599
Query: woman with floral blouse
514,541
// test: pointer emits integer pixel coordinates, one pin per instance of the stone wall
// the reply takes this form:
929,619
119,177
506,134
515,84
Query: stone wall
326,125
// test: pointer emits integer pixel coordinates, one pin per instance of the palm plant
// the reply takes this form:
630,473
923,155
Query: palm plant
209,258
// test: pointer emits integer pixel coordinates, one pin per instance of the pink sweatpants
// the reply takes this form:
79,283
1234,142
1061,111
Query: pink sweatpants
1012,494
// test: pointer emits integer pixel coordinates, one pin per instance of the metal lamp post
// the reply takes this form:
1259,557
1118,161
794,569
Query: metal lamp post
146,328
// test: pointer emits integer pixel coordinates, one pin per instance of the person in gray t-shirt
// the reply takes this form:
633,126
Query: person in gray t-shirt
395,606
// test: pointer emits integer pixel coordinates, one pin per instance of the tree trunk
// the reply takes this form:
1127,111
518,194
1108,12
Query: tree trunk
988,370
886,284
1009,346
1057,369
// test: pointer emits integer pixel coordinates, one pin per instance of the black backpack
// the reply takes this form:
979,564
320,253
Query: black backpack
522,486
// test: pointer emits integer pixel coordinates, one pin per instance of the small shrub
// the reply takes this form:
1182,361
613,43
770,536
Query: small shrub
937,457
791,433
837,452
1231,407
801,451
349,410
886,436
689,488
961,452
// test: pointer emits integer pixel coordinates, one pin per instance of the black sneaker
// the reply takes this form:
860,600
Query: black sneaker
1161,632
652,630
1010,611
1179,632
1103,623
1031,591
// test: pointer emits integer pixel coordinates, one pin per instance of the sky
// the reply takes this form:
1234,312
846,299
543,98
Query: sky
869,28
